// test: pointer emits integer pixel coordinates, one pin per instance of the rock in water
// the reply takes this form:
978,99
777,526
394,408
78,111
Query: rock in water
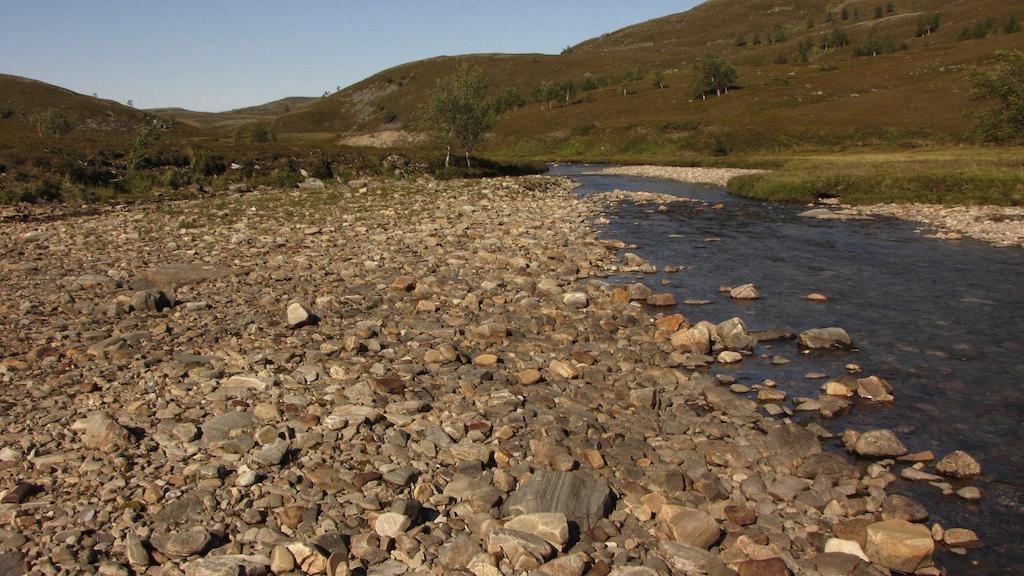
874,443
821,338
958,464
900,545
300,315
744,292
580,499
663,299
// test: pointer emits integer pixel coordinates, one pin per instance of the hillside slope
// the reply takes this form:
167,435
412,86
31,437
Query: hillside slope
795,87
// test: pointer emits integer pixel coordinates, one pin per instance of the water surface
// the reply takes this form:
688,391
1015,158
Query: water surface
942,321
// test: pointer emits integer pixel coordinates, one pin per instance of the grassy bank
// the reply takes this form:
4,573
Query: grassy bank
950,176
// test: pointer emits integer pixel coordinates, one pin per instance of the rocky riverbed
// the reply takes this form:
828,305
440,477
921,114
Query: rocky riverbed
413,377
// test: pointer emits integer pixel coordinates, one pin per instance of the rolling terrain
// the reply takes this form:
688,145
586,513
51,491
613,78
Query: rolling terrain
787,97
239,116
818,83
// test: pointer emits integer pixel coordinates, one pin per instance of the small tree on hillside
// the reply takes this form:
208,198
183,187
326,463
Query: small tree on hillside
1002,86
658,79
459,113
51,123
714,75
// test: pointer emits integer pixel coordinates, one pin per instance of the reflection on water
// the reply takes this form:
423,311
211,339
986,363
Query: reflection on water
942,321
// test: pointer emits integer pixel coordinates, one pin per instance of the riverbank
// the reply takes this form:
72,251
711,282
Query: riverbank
713,176
998,225
407,377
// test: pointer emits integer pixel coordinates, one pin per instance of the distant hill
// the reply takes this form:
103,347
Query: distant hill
24,101
237,117
796,87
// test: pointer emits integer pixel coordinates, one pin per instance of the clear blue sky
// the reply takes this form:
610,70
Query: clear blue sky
221,54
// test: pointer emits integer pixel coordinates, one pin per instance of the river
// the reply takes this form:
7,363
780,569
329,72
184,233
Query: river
942,321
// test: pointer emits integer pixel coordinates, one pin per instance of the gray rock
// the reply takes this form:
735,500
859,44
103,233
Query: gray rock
221,426
582,500
821,338
13,562
734,336
272,454
898,506
874,443
228,565
787,446
182,544
135,551
150,301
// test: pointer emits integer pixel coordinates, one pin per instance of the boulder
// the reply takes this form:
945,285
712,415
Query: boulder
552,527
581,499
880,443
696,340
733,335
900,545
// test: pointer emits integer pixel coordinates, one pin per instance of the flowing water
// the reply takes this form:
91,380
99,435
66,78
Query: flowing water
942,321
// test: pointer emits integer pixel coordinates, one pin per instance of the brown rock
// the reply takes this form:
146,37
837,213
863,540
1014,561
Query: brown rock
958,464
899,545
767,567
663,299
670,323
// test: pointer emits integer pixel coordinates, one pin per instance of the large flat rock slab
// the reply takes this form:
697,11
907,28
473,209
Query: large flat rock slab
581,499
